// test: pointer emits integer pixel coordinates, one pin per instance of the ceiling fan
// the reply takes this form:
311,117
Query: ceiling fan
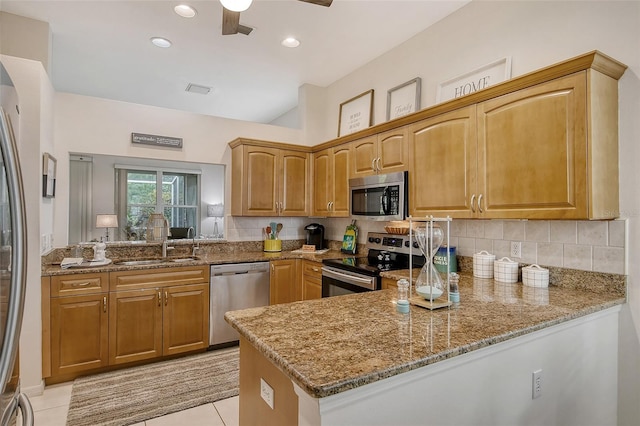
231,14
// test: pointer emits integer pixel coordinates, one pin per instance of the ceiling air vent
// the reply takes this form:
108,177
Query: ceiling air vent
196,88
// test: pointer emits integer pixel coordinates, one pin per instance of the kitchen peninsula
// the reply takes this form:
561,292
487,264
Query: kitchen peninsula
355,360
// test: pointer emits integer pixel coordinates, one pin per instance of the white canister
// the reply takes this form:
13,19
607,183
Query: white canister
535,276
483,264
505,270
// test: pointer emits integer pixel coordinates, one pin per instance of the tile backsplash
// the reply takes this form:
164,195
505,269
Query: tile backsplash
584,245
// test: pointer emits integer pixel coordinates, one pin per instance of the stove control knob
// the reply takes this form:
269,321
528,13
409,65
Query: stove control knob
415,245
377,240
406,243
371,239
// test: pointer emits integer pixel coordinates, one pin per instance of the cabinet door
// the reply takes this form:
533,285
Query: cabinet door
261,179
532,152
185,318
364,153
340,181
442,167
79,333
135,325
393,150
321,182
311,280
293,190
284,281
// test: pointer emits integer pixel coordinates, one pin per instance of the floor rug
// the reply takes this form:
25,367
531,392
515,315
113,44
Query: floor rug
136,394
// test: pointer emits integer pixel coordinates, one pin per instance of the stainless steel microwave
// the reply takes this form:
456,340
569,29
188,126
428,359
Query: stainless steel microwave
379,197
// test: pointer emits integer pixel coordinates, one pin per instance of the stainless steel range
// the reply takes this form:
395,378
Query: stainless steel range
387,252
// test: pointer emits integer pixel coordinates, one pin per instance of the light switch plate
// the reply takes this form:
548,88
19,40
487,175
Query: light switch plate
266,392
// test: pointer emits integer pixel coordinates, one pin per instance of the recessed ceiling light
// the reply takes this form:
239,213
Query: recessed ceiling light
236,5
161,41
290,42
185,11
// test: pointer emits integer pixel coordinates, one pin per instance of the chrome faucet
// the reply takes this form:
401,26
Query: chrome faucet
165,248
194,248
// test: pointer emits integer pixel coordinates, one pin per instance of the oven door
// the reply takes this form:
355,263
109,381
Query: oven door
336,282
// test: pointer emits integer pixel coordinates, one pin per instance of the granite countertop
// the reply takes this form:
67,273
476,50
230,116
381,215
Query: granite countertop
206,259
330,345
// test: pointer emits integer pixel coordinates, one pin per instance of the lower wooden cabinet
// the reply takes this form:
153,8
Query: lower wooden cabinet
92,321
284,281
311,280
79,333
389,283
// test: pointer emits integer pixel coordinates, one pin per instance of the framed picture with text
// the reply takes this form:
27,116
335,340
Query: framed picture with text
356,113
404,99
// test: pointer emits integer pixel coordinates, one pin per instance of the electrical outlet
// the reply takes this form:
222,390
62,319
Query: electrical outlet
516,249
536,384
266,392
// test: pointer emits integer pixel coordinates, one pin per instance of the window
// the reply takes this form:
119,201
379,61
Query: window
172,193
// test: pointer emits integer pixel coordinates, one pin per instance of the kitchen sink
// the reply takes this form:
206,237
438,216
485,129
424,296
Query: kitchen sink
139,262
184,259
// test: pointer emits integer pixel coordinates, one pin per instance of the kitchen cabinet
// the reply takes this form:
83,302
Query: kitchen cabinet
78,323
311,280
442,169
284,281
331,182
268,180
545,152
158,312
386,152
389,283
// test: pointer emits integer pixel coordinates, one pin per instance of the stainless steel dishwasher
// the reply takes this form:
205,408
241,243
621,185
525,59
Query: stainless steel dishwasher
235,286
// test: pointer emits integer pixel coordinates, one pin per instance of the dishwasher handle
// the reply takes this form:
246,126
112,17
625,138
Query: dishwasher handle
239,268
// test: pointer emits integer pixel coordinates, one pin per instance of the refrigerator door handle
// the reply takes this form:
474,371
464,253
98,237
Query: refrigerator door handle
18,263
27,410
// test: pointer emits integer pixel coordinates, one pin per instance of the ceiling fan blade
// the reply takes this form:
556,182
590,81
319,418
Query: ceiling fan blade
326,3
230,22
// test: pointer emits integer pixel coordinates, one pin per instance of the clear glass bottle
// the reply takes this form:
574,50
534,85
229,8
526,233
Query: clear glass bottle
402,302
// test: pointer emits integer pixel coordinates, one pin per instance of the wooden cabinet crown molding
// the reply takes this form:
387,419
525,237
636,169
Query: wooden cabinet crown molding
269,144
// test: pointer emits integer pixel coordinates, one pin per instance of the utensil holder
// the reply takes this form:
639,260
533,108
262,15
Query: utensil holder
273,245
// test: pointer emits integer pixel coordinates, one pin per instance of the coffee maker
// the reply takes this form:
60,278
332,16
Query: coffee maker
315,235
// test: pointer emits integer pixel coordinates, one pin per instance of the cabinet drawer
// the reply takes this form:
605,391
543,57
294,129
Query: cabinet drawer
76,284
312,269
145,278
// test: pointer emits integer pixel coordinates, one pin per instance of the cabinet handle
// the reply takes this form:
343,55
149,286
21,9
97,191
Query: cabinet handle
280,206
159,299
83,284
330,205
373,164
315,269
480,201
378,168
104,304
473,203
166,298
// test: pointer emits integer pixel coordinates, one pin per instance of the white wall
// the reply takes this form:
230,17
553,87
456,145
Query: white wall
534,34
35,95
100,126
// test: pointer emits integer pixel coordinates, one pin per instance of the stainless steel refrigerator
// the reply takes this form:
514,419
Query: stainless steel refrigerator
13,245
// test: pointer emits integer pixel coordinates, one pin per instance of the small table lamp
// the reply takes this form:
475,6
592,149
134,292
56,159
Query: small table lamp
215,211
107,221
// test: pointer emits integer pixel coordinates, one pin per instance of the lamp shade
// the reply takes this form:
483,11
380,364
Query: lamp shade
106,221
236,5
215,210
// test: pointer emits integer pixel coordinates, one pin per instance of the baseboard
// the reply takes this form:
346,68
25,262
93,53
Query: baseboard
33,390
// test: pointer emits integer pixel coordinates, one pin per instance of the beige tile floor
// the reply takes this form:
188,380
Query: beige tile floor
50,409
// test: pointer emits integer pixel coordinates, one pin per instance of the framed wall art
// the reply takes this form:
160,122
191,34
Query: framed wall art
404,99
49,165
488,75
356,113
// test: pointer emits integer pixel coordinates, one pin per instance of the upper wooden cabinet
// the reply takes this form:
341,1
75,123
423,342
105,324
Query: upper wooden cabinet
549,151
331,182
442,169
269,180
386,152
